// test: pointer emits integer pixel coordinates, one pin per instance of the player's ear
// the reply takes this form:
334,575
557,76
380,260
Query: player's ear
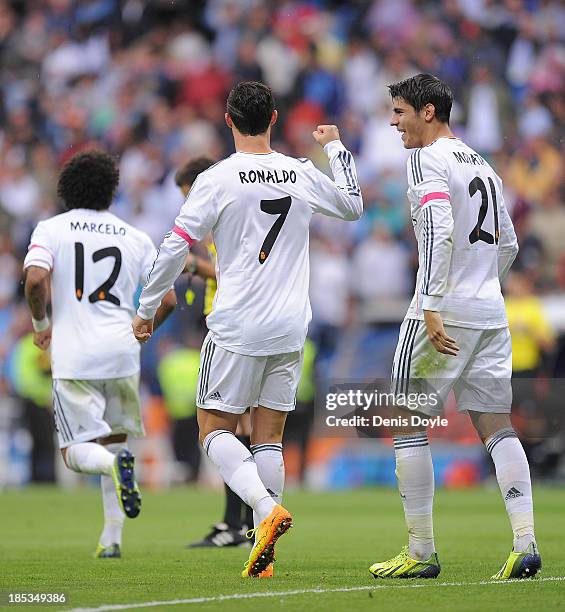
229,122
274,117
429,112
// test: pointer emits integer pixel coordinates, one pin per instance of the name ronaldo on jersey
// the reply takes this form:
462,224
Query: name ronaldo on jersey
268,176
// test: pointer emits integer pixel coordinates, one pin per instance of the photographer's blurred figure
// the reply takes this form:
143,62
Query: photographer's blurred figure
177,373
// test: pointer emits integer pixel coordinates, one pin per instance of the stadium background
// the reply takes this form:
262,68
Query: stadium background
147,81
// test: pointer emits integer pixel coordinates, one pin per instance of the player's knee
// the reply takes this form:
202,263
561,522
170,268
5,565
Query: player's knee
488,423
266,437
113,439
215,420
267,428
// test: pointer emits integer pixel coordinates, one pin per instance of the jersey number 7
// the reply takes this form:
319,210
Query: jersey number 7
280,206
102,293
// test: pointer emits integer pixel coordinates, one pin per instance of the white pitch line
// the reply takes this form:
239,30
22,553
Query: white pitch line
200,600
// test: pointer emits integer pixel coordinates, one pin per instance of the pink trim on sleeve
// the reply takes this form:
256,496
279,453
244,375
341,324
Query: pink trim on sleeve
436,195
180,232
38,246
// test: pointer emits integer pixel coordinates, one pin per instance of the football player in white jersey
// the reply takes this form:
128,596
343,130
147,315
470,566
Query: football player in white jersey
89,264
455,334
258,204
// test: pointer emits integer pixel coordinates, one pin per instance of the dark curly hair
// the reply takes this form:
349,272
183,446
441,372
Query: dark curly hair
88,180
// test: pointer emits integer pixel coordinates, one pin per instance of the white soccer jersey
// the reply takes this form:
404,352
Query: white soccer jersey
466,240
258,207
97,262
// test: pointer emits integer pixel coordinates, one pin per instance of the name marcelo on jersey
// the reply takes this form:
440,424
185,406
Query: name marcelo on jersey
97,228
268,176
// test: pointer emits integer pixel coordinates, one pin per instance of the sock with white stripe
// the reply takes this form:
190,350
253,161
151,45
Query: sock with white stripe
238,469
270,467
513,475
90,458
113,514
415,475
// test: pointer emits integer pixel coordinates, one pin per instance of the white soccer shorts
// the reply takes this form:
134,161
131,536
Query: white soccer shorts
480,374
88,409
232,382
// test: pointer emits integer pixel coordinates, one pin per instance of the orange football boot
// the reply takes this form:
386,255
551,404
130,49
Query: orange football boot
266,535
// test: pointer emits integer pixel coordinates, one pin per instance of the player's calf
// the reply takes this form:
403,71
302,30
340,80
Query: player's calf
512,473
513,476
88,458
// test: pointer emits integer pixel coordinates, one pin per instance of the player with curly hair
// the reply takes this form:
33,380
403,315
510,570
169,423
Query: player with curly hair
88,264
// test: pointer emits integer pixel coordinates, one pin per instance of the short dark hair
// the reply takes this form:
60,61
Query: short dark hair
425,89
88,180
250,106
188,173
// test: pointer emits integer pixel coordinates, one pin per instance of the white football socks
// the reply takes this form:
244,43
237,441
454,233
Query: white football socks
239,471
270,467
513,475
113,514
90,458
415,475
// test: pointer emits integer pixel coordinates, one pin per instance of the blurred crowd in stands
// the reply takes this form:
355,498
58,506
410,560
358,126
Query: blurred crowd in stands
147,81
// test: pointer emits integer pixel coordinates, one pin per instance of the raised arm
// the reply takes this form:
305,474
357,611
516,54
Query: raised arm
341,197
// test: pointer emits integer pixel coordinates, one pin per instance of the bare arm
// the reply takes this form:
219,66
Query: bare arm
37,296
199,266
37,291
166,308
340,197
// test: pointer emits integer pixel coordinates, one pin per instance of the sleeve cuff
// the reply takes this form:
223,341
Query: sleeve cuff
432,302
38,263
145,313
334,147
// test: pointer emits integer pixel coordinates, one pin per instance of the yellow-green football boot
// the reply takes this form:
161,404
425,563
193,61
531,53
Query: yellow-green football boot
524,564
403,566
108,552
127,490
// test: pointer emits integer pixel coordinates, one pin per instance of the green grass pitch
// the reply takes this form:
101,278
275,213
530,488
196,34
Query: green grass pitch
48,536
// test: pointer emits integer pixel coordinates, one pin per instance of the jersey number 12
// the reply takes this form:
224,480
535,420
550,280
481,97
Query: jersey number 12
102,293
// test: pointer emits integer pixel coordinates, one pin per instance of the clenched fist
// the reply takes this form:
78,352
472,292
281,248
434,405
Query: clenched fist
325,133
142,328
43,339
